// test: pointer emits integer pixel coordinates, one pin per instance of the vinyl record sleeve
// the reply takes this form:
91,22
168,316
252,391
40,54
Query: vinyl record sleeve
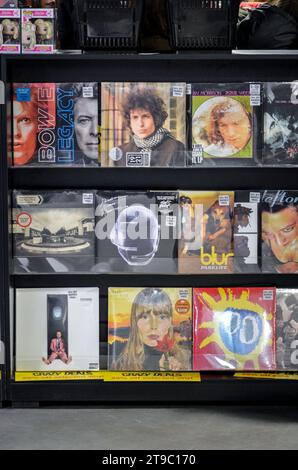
77,124
281,123
234,328
41,313
38,31
34,124
136,231
287,329
8,3
143,124
10,30
280,231
150,328
206,242
53,231
225,123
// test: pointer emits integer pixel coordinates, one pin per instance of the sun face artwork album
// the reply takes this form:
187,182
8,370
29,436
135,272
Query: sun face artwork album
136,231
280,123
224,122
34,124
234,328
143,124
247,232
287,329
57,329
206,242
280,231
150,328
38,31
10,30
77,124
53,231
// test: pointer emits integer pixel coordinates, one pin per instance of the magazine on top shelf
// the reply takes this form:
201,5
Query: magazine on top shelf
10,30
234,328
150,328
143,124
53,231
287,329
281,123
57,329
225,123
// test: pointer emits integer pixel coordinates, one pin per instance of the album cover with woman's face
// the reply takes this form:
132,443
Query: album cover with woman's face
280,123
143,124
234,328
224,123
206,242
10,29
150,328
53,231
287,329
57,329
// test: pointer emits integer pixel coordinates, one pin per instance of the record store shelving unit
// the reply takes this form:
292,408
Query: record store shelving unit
204,67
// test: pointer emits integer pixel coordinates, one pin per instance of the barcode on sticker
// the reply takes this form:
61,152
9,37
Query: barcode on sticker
224,200
178,91
171,221
188,88
88,92
87,198
254,197
268,295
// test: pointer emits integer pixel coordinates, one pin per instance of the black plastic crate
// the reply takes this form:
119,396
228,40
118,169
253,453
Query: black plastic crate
203,24
108,24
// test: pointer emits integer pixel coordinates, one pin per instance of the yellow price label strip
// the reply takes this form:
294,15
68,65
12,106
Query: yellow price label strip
124,376
268,375
57,375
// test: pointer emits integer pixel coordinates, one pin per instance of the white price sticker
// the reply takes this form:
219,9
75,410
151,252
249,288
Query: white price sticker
224,200
171,221
268,295
88,198
254,197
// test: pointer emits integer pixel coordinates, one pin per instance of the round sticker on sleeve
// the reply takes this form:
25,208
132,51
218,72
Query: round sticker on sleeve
115,154
182,306
24,219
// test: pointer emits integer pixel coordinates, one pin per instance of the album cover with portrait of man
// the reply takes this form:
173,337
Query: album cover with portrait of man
234,328
280,123
53,231
10,29
224,123
143,124
287,329
57,329
206,243
150,328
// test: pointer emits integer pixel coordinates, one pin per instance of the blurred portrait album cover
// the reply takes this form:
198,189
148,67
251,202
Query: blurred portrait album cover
143,124
280,231
57,329
38,31
9,3
136,231
55,124
287,329
150,328
234,328
53,231
10,30
281,123
206,242
224,122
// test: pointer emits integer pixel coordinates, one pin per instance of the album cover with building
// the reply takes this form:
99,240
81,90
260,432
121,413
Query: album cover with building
38,31
143,124
150,328
136,231
280,123
57,329
234,328
53,231
206,242
10,29
287,329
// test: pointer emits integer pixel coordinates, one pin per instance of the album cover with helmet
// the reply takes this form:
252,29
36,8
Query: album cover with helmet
57,329
206,242
150,328
287,329
234,328
136,231
280,123
279,231
225,123
53,231
143,124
